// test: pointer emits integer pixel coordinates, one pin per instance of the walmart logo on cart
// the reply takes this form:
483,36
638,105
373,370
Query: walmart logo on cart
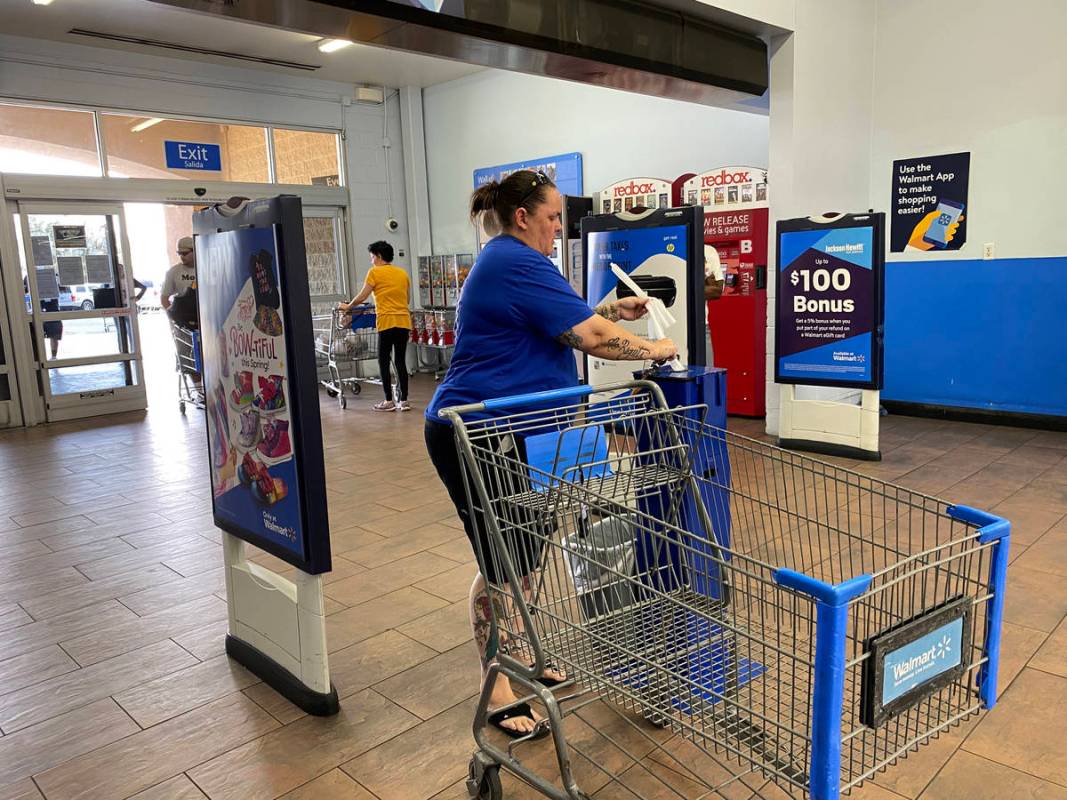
926,659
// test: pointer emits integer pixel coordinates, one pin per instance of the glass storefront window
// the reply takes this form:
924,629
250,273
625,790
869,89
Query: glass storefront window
307,158
47,141
137,147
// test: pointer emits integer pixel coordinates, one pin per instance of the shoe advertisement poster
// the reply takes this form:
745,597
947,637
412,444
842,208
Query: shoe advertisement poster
829,305
254,474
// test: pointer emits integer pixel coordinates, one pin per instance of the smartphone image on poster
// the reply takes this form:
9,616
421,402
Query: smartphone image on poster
948,211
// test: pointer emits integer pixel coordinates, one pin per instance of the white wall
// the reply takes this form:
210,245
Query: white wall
978,76
498,117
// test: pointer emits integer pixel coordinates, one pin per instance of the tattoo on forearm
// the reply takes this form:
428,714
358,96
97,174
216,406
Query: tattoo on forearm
570,338
609,311
627,351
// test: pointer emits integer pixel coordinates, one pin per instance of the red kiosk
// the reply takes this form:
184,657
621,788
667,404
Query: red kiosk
735,224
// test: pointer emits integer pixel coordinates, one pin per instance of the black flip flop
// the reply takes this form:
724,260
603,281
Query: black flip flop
550,683
512,712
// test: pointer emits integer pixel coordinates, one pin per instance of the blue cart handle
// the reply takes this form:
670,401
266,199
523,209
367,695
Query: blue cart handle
532,398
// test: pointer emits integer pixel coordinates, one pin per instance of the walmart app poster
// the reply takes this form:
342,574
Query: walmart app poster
253,472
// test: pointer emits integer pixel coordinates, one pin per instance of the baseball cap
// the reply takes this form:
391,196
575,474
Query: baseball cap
185,243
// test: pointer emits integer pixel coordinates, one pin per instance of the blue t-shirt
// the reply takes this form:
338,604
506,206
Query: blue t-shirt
513,306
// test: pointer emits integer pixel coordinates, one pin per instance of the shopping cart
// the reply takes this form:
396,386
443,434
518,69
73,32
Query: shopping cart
766,624
188,364
342,341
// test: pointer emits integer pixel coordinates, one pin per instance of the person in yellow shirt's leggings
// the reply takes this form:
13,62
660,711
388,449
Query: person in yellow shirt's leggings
391,288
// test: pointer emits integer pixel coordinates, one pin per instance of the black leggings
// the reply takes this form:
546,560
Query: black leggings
394,341
525,549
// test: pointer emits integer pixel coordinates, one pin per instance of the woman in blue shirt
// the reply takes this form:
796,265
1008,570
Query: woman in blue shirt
517,323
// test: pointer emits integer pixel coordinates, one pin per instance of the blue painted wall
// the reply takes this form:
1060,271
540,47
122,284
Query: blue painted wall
988,335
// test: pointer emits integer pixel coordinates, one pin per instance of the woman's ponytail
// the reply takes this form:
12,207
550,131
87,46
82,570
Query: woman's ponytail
493,204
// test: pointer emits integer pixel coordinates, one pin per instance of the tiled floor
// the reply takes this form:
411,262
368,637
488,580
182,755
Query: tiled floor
113,681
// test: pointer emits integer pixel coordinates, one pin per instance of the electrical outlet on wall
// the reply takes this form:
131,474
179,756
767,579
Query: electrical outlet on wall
989,250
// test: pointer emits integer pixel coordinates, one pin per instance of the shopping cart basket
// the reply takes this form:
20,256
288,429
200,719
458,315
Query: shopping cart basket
344,339
800,626
188,364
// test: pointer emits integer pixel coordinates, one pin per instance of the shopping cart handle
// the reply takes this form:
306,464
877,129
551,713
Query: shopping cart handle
536,398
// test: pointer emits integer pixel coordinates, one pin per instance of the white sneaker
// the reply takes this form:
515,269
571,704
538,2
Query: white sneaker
403,405
385,405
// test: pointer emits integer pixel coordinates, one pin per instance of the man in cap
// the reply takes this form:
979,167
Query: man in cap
180,276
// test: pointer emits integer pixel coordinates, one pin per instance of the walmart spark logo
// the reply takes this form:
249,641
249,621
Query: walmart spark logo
670,248
944,647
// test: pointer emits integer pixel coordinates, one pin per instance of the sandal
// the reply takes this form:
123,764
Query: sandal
551,683
497,718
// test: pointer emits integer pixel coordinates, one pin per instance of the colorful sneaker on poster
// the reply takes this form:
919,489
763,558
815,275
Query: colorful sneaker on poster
270,397
275,444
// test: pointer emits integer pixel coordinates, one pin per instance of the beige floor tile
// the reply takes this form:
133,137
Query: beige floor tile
19,551
37,585
12,616
1047,554
112,529
343,541
112,640
1034,599
390,577
372,660
1051,656
79,688
457,548
910,776
90,592
157,754
198,562
177,788
444,629
273,703
334,785
1017,732
162,596
54,630
35,749
437,684
136,559
421,762
75,556
390,611
288,758
45,530
974,778
184,689
206,641
453,585
23,790
397,547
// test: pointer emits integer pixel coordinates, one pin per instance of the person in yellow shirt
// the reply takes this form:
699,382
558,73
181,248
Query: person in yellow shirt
391,288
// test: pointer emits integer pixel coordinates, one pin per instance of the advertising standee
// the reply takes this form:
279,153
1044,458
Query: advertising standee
264,439
828,327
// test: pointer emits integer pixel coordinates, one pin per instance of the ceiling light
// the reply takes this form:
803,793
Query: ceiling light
42,2
148,123
330,45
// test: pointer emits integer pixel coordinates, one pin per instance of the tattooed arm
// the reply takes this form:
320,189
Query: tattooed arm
628,308
599,337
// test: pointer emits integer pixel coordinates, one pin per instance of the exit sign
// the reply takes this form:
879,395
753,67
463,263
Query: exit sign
193,155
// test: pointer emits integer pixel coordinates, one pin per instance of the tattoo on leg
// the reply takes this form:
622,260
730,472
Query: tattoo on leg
626,350
570,338
609,311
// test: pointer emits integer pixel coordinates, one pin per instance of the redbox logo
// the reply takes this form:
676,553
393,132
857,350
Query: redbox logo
634,188
725,178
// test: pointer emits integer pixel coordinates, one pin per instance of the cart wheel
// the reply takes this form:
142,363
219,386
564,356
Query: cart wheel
343,401
331,392
355,388
488,788
181,406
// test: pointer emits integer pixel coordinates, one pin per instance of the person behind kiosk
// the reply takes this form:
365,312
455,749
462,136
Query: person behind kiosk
391,288
516,324
179,278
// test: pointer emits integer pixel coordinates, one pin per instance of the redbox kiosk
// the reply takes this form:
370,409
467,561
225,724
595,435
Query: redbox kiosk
735,224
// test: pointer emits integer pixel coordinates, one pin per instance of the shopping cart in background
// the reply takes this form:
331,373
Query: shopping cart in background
344,339
189,366
734,616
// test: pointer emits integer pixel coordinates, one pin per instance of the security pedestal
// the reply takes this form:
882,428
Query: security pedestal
278,630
